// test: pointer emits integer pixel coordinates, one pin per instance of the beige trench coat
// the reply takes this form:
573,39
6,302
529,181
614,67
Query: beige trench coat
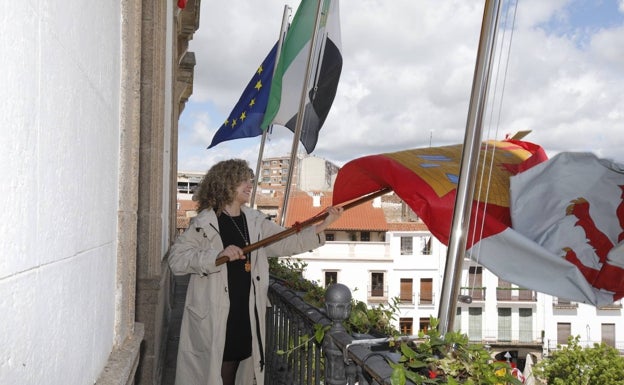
202,333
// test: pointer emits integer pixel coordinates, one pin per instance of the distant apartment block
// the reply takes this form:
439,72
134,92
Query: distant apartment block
310,173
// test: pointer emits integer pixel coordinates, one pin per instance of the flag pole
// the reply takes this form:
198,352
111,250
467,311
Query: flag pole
283,27
468,167
300,117
299,226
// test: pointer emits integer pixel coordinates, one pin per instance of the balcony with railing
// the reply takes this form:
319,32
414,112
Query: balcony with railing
292,325
560,303
353,249
426,297
515,294
512,336
476,293
406,299
617,305
554,345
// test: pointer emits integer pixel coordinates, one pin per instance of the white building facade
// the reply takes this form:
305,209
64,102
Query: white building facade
409,265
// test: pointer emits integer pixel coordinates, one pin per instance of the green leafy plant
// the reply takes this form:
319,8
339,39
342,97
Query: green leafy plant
577,365
377,319
290,272
448,359
304,340
363,319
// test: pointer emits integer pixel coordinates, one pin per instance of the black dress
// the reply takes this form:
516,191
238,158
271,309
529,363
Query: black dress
238,328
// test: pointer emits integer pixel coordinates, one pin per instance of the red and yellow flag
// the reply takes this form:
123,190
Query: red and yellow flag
426,179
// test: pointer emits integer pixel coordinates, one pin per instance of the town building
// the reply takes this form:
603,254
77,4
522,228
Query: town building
310,173
382,251
385,254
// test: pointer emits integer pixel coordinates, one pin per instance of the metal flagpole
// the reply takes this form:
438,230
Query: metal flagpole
468,168
300,117
285,17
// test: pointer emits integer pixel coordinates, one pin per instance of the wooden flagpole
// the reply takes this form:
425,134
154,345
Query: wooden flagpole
297,227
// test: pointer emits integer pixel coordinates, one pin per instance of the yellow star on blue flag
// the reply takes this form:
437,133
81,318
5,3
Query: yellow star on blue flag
246,116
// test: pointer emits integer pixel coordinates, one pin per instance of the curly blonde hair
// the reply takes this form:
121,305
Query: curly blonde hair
218,186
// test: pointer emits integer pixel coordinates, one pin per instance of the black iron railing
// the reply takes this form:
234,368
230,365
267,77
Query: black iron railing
294,357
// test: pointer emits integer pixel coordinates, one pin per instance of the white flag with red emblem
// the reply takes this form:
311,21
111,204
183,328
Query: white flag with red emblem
567,233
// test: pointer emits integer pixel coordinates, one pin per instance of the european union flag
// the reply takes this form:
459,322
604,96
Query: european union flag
245,118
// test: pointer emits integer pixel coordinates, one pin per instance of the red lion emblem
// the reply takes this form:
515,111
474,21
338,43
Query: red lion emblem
608,277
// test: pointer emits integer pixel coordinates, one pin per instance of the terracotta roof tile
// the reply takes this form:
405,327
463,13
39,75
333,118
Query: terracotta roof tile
187,205
182,222
407,226
361,217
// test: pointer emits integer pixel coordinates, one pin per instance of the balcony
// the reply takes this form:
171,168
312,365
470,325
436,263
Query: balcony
559,303
477,293
614,306
511,336
515,294
376,250
291,322
425,297
340,358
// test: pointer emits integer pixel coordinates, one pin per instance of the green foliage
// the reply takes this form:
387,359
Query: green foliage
364,319
290,272
304,340
575,365
448,359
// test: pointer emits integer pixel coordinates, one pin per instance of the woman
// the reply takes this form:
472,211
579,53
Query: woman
223,325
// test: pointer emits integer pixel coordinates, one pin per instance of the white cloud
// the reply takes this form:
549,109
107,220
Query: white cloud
407,77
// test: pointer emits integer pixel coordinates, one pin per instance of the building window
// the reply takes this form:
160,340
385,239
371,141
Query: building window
564,331
365,236
503,291
407,245
475,281
426,291
329,236
406,290
608,334
474,323
331,277
377,285
424,324
406,326
425,245
526,324
504,324
457,323
353,237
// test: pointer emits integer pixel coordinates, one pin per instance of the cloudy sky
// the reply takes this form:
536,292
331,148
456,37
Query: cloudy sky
407,73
